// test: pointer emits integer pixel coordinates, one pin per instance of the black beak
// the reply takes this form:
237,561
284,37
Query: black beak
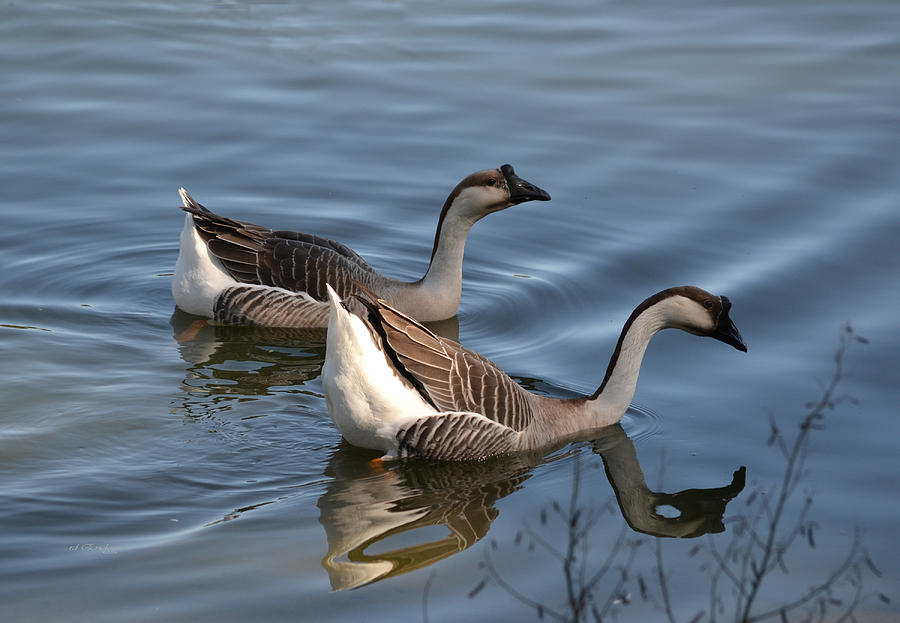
726,331
520,190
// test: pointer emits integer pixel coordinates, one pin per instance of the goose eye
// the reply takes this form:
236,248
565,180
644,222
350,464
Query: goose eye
491,182
708,304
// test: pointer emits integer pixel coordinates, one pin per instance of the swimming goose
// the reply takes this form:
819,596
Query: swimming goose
240,273
394,386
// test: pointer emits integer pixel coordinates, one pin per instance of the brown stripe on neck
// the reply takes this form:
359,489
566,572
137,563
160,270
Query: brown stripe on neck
437,233
687,291
474,179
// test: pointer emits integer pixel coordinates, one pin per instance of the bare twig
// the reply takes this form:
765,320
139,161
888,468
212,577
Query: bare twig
824,587
610,559
663,585
761,540
794,463
425,597
515,593
581,582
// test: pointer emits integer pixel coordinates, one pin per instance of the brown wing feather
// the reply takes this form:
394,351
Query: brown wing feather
291,260
304,267
451,377
319,241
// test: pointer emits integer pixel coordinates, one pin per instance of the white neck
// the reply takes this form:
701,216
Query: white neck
608,404
436,296
444,276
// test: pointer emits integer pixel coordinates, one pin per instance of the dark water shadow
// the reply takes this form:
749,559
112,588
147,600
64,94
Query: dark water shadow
377,517
226,365
699,511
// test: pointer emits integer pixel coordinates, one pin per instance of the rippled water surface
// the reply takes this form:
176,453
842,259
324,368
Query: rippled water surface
156,469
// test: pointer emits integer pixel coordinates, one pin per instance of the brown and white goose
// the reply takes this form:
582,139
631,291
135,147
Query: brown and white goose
394,386
240,273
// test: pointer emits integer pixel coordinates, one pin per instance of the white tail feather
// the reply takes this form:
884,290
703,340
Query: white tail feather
187,200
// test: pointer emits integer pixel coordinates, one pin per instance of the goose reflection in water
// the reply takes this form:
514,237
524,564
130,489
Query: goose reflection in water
700,511
382,523
225,360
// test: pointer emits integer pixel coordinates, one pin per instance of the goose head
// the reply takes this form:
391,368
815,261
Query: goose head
491,190
482,193
688,308
698,312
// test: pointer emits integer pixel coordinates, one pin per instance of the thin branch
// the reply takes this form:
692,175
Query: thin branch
575,601
607,564
610,600
663,587
425,597
824,587
545,544
723,564
516,594
857,597
759,571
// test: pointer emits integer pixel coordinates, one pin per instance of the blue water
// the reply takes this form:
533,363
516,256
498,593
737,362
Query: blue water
149,474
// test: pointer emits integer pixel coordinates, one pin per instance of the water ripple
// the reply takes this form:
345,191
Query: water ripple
641,423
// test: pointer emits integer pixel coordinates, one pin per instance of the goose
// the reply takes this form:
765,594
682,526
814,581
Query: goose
239,273
394,386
